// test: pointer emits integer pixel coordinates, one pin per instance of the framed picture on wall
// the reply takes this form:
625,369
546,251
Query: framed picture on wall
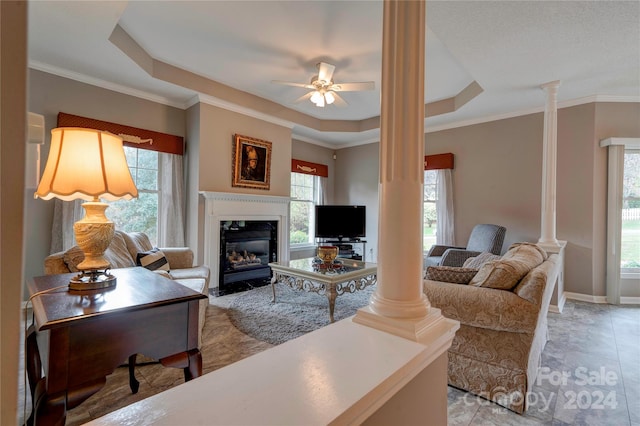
251,162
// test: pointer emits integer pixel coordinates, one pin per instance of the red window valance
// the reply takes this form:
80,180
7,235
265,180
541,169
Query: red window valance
161,142
309,168
438,161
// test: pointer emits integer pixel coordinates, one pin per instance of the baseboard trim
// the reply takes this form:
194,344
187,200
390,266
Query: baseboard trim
590,299
585,297
557,309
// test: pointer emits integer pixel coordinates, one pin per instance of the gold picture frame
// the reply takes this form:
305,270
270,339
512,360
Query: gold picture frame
251,163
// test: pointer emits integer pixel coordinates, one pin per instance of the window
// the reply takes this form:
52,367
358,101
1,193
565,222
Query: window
430,211
630,239
139,214
305,191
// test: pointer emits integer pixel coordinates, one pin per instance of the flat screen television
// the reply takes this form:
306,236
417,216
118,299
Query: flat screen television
340,222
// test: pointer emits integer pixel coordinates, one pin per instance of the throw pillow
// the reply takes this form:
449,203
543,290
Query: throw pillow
73,257
137,242
450,274
497,274
479,260
153,260
116,254
506,272
531,250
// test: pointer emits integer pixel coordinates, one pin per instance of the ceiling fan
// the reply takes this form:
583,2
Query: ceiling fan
323,89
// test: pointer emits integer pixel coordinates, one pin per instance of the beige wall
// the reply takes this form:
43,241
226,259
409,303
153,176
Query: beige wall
575,197
217,128
49,95
621,121
194,211
357,182
498,179
497,175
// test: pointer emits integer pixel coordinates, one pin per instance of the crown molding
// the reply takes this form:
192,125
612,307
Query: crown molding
307,139
564,104
83,78
334,146
210,100
229,106
362,142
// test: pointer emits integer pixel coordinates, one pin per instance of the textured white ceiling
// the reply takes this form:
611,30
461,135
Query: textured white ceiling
509,47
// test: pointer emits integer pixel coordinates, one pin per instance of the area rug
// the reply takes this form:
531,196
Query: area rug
294,313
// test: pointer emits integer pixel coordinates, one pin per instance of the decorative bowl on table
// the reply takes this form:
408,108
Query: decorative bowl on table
327,254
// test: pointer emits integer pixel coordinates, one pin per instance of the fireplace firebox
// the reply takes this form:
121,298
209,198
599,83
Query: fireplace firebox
246,248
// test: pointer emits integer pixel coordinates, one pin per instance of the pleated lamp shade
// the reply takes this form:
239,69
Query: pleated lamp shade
86,164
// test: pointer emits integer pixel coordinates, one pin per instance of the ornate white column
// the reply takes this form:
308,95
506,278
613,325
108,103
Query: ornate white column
549,161
399,305
548,239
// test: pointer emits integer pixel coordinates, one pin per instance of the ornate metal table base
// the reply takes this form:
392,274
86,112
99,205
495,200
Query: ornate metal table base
331,289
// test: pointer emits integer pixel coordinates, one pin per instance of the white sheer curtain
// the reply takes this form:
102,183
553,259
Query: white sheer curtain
170,201
65,214
322,190
444,208
170,209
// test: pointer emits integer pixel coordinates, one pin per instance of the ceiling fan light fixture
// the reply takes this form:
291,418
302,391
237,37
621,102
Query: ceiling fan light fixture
323,90
316,97
329,97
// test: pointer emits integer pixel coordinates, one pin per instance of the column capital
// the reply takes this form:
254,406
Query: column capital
551,85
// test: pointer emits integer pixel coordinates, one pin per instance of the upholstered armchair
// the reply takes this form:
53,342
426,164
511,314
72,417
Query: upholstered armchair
483,238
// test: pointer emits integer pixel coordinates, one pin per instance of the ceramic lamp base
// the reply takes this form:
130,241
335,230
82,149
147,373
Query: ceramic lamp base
94,233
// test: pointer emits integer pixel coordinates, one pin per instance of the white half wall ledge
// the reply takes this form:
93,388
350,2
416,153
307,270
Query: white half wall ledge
341,374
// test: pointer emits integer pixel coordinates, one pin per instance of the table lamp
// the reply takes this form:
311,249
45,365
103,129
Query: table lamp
88,164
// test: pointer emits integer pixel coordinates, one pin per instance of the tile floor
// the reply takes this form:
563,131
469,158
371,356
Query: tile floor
590,373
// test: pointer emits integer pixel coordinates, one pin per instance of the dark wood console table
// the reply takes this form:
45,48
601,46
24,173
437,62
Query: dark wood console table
79,338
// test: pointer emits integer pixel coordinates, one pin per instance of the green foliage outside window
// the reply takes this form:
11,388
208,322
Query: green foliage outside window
141,214
302,208
429,209
630,240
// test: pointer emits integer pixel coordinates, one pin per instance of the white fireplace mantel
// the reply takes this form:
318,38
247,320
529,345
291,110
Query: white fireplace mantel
224,206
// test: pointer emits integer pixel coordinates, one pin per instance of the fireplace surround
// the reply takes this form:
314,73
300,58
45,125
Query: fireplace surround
224,213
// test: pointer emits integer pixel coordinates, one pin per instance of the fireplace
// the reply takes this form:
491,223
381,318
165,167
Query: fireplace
246,248
243,222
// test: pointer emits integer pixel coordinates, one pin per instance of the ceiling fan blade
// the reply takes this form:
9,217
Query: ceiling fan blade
325,71
289,83
339,102
303,98
353,87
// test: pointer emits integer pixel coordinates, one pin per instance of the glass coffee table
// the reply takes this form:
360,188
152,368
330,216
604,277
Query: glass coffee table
310,275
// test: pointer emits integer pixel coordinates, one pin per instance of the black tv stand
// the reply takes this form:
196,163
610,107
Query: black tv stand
346,247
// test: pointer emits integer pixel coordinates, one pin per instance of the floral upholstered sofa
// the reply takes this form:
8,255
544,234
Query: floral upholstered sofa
502,308
124,251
